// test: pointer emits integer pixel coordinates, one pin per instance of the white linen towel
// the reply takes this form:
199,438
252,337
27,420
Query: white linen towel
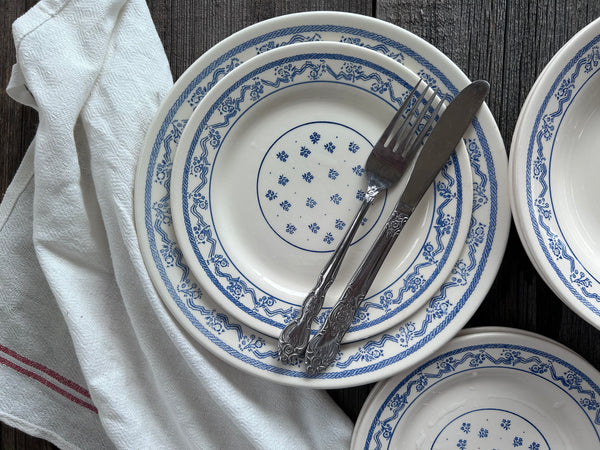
89,356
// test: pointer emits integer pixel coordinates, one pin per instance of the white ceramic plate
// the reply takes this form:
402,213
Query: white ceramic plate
364,361
497,388
553,174
269,170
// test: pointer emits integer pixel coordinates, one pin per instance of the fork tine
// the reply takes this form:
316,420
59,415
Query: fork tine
403,135
401,129
396,120
432,119
413,140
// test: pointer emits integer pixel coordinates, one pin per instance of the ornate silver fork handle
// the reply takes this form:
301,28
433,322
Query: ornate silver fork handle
324,346
295,336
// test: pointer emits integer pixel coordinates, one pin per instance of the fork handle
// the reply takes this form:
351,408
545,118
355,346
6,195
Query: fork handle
294,337
324,346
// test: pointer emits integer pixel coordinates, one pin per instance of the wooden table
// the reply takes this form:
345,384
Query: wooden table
507,42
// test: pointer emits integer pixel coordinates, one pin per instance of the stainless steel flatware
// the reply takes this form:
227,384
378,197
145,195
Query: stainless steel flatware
385,166
445,136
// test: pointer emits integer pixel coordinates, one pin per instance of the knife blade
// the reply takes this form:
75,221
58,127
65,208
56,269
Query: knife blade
445,136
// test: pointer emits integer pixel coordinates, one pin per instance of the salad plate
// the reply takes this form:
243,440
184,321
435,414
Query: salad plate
487,388
359,362
269,170
552,173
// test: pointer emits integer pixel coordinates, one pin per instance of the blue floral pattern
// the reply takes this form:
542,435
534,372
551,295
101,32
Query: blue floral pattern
315,179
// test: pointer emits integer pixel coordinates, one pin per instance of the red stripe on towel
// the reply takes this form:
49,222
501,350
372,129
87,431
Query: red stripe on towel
47,383
58,377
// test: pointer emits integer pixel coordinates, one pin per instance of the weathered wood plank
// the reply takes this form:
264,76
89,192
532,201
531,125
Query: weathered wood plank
13,439
17,123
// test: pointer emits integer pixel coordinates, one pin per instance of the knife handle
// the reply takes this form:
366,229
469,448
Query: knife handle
324,346
294,337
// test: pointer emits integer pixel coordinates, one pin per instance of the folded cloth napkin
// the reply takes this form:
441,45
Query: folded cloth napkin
89,356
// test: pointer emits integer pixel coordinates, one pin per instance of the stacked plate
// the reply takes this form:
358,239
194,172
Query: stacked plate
553,176
253,168
487,388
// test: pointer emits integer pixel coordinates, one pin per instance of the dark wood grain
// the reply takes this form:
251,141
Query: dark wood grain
13,439
505,42
17,123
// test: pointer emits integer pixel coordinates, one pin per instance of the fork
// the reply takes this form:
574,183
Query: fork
385,165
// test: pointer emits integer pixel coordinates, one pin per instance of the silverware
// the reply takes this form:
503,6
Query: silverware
384,167
445,136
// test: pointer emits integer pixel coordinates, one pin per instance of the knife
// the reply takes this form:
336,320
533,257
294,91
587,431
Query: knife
445,136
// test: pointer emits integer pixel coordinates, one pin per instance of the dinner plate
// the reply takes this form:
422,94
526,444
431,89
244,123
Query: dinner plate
269,170
496,388
553,174
359,362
